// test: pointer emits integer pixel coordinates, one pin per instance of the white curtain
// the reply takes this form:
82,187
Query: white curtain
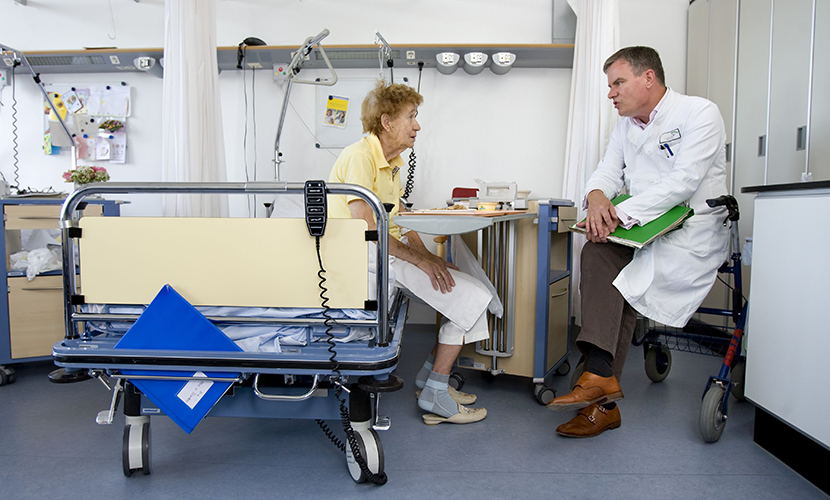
193,147
592,116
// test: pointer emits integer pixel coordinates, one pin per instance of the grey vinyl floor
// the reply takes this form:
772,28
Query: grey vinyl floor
51,447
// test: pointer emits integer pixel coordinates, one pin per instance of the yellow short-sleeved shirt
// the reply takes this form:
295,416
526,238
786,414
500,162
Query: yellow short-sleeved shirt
363,164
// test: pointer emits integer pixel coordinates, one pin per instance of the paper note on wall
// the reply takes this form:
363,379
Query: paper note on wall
111,100
337,108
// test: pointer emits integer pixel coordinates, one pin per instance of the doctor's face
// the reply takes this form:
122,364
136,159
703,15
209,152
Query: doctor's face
629,92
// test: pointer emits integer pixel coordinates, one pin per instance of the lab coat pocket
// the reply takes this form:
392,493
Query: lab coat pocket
696,236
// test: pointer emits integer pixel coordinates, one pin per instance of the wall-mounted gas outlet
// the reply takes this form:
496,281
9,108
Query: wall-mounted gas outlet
5,76
280,72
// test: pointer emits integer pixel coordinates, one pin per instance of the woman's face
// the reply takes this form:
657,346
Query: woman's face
402,129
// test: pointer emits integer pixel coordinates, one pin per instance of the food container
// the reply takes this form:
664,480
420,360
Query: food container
487,205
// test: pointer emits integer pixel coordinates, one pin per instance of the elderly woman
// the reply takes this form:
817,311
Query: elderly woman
389,119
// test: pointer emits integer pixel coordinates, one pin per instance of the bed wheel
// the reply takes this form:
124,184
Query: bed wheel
4,378
11,375
658,363
368,443
136,446
456,380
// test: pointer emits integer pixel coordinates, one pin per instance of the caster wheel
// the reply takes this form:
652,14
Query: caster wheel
738,378
371,450
136,448
563,369
712,419
543,394
11,375
578,371
457,380
658,363
4,379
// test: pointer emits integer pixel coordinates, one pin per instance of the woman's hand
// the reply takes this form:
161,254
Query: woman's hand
438,271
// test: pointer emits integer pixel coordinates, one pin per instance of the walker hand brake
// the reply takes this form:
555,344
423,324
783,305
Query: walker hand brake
107,416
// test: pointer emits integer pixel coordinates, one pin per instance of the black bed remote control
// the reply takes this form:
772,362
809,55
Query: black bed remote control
316,211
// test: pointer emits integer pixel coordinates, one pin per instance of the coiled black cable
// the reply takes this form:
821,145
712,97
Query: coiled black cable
379,479
410,176
14,129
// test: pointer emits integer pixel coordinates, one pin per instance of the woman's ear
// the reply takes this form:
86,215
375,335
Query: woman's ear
386,122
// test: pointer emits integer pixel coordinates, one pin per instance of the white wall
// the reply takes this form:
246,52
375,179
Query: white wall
509,127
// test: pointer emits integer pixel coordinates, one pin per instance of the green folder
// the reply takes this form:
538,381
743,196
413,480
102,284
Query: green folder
640,236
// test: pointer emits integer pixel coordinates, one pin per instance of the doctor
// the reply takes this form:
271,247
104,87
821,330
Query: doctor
668,150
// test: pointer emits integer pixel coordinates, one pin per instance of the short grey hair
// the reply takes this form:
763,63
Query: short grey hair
640,59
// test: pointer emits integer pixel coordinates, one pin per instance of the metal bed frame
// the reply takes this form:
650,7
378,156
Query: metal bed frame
315,383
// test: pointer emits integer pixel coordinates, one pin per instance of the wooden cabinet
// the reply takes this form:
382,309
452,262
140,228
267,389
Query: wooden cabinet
32,317
537,308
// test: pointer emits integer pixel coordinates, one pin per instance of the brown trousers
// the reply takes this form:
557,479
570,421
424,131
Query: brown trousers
608,321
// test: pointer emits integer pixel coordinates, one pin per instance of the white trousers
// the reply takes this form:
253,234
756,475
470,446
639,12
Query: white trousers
465,306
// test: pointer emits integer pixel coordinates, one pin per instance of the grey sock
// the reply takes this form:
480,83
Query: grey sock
423,375
435,398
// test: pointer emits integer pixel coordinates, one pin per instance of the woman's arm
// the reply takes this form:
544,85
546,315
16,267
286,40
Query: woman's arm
415,253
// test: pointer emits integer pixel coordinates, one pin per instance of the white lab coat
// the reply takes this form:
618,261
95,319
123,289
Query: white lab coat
668,279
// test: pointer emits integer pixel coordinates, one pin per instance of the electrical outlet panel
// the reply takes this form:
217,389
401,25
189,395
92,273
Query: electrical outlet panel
281,72
410,54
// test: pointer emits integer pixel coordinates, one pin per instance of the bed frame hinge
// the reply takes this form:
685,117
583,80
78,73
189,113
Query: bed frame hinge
74,232
372,235
370,305
77,299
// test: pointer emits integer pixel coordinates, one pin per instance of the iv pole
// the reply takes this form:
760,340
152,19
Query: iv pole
293,70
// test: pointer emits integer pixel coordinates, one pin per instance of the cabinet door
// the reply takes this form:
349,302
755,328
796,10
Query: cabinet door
36,316
820,105
789,86
697,53
751,108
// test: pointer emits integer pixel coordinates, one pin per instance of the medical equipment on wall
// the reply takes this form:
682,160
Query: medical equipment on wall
410,176
18,58
294,68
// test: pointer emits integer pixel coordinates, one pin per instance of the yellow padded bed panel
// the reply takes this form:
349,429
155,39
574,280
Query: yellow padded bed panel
222,262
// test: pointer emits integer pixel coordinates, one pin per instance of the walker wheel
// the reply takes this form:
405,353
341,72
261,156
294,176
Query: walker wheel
712,418
658,363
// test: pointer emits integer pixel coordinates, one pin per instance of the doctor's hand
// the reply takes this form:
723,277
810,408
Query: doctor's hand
602,217
438,271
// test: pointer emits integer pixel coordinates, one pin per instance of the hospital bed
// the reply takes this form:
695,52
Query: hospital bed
143,316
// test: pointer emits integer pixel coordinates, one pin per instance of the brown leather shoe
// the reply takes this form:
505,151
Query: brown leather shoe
589,389
591,421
